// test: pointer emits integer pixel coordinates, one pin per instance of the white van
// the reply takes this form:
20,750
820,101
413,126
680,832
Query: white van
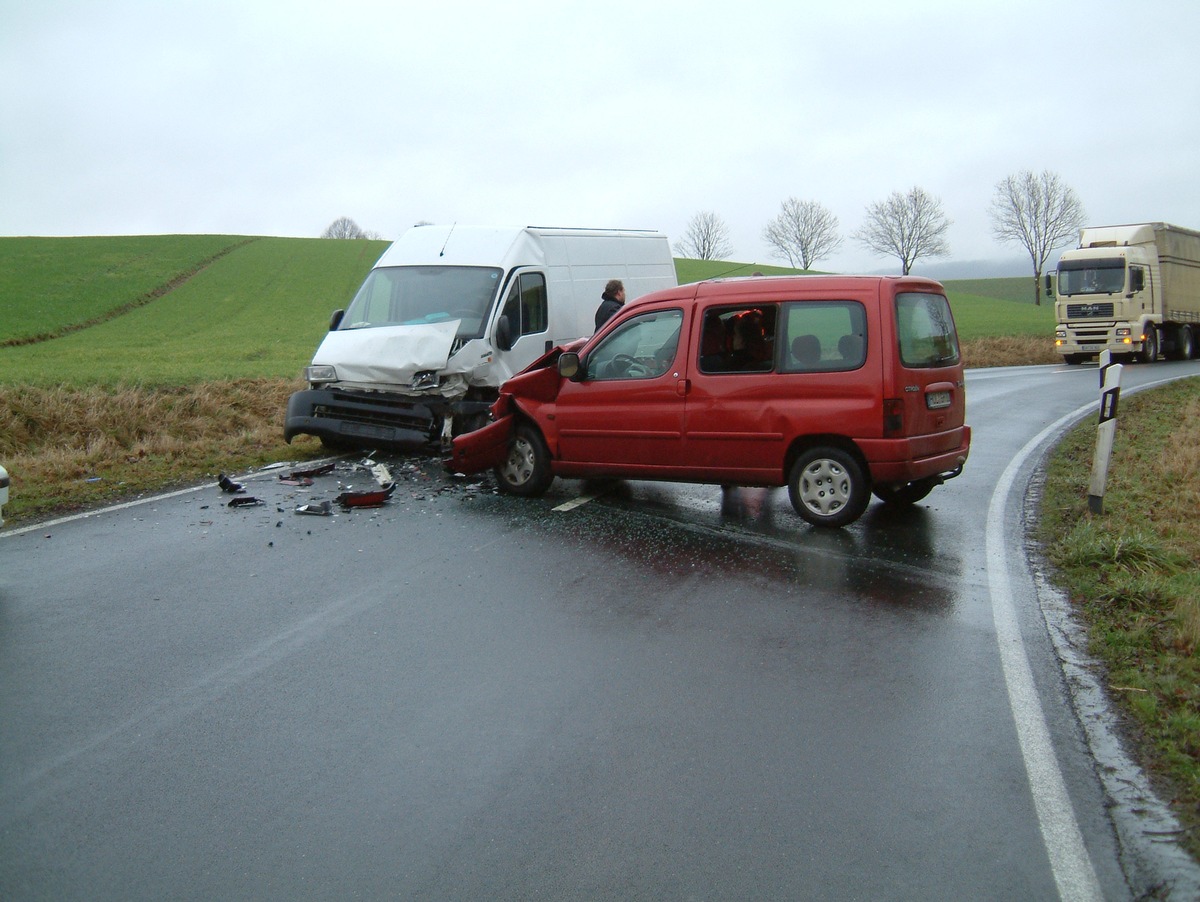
449,313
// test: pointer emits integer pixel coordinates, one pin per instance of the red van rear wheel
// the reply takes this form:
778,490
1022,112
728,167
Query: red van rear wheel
526,470
827,487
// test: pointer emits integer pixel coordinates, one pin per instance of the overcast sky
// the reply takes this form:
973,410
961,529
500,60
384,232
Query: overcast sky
258,117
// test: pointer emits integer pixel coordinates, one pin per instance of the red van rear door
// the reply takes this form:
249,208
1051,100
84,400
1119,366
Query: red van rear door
928,387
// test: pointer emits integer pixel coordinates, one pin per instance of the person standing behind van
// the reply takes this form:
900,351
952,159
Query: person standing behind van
610,302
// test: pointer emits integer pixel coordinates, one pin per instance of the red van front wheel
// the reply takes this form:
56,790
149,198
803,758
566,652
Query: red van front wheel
827,487
526,470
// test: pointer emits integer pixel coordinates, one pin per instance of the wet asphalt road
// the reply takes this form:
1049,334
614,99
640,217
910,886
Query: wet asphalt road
663,692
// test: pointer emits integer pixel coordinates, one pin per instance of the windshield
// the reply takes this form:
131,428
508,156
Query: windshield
417,295
926,330
1096,276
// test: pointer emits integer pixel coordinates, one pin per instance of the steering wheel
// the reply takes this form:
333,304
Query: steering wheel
627,365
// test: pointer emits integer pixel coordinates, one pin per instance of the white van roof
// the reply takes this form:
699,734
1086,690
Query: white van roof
457,245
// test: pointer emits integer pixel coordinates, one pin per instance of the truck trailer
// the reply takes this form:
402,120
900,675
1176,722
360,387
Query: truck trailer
1130,289
448,313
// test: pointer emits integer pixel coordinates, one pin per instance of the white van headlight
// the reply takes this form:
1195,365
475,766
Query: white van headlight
320,374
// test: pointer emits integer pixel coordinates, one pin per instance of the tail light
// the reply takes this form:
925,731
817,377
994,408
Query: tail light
893,417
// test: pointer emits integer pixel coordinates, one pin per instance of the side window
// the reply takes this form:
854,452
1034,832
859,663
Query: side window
525,306
824,336
926,330
738,339
642,348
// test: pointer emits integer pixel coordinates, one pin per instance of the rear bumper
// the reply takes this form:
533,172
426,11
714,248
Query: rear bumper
895,461
373,418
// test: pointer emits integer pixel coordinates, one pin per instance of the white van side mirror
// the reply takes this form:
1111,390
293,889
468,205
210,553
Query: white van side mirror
504,339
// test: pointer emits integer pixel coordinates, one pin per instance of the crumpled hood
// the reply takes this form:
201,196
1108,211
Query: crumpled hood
387,354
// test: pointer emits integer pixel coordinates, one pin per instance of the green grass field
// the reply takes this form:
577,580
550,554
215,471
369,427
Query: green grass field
258,311
49,284
175,310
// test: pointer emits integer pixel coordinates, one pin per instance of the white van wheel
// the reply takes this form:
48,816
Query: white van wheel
827,487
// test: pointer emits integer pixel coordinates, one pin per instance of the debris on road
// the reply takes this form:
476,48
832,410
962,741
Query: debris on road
319,509
246,501
382,474
366,499
322,470
228,485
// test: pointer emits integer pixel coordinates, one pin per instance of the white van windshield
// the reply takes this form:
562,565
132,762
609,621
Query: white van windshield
418,295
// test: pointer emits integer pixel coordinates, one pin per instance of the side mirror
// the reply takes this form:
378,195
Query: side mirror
568,366
503,334
336,319
1049,288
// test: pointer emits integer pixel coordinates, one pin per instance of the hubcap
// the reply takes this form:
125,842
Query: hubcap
824,487
519,465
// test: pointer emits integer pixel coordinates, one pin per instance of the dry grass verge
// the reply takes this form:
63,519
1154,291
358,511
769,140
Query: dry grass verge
71,449
1131,575
983,352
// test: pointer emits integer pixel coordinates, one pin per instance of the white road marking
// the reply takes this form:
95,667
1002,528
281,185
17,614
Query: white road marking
578,502
1073,871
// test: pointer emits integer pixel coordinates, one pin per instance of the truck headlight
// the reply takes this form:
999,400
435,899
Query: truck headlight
320,374
1124,332
1060,334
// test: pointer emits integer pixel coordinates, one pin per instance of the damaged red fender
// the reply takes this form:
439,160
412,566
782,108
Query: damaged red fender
473,452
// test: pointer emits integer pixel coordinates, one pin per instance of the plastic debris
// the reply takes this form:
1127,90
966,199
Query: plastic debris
246,501
318,509
228,485
293,480
366,499
315,471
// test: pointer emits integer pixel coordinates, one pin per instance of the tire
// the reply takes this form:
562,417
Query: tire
1149,352
526,470
828,487
1185,347
906,494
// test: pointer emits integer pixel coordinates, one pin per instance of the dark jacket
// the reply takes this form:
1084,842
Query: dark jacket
607,310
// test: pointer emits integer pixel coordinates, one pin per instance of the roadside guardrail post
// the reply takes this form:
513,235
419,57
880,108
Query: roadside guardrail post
1106,430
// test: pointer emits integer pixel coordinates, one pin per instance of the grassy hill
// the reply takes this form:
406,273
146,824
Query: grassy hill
182,309
210,308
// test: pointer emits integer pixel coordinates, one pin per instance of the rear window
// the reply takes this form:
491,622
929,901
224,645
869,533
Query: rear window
926,330
823,336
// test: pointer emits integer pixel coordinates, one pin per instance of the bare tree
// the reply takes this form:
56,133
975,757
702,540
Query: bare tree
803,232
908,226
1039,212
343,227
706,238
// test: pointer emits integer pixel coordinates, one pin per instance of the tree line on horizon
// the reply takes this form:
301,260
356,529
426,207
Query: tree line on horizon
1036,210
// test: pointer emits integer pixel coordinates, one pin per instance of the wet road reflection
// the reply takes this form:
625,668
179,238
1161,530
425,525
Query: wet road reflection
752,535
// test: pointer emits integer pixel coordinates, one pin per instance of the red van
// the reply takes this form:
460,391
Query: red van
835,386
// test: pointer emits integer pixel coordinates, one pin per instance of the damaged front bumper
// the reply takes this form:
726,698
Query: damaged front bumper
482,449
338,416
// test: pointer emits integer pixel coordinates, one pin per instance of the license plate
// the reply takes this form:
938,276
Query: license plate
936,400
